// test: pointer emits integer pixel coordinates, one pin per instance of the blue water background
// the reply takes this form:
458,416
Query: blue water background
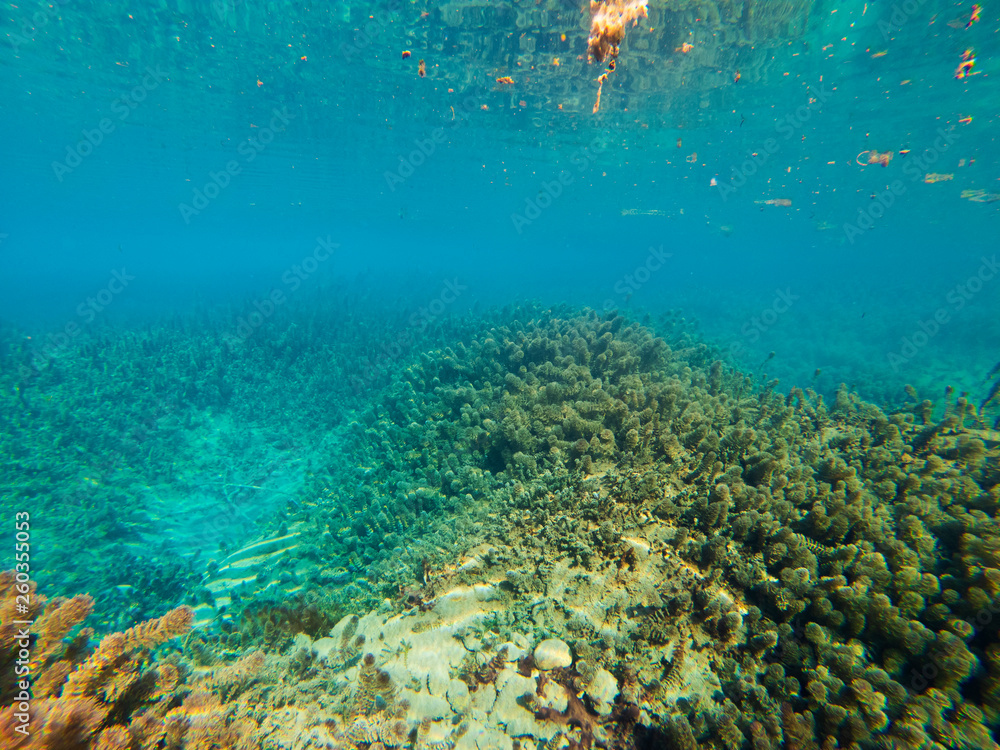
354,115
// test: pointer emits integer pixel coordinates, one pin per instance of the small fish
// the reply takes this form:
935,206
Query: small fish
933,177
980,196
775,202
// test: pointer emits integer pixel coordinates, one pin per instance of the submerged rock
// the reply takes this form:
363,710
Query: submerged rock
552,653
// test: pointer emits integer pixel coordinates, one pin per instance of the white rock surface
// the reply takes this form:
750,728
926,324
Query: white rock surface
552,653
458,696
509,714
603,690
323,647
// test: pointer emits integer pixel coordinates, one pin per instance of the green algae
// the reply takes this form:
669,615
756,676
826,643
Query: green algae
855,551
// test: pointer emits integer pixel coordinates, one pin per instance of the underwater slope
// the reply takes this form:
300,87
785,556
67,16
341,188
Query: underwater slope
829,563
704,561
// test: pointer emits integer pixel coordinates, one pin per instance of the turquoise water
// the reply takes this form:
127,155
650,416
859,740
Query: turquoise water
810,91
253,263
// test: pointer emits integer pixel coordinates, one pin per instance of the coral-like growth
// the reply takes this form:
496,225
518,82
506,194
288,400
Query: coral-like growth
58,619
485,673
230,680
82,702
202,722
273,624
116,664
373,684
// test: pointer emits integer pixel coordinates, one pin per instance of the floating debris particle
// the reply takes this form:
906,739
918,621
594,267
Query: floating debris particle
965,67
866,158
980,196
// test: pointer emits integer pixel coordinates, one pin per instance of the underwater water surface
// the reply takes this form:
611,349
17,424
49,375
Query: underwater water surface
499,375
